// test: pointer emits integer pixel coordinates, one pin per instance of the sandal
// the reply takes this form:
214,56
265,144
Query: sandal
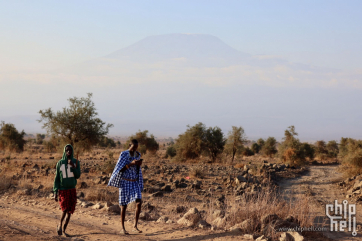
59,230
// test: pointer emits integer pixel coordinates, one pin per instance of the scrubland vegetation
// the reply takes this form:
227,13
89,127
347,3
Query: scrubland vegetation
231,179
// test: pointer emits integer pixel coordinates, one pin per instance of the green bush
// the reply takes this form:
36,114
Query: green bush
10,138
198,140
146,143
255,148
170,151
308,150
269,147
350,151
332,148
291,150
247,152
107,142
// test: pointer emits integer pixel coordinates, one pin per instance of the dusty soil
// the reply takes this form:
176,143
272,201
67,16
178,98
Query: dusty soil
38,220
321,184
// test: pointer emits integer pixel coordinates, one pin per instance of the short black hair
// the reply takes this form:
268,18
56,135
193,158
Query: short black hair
134,142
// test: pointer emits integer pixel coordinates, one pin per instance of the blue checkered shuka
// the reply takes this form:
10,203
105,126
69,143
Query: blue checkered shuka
128,191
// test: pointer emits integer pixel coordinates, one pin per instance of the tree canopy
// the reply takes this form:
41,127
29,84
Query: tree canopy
198,140
77,124
235,141
11,138
146,143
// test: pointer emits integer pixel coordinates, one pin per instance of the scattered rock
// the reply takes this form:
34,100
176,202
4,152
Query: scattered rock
80,195
162,219
145,216
262,238
296,236
83,185
219,222
245,226
86,204
286,237
97,206
218,213
203,224
157,194
114,209
239,179
108,204
191,218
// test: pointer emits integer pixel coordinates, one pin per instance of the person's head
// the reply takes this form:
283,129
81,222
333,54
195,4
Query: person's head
133,146
68,150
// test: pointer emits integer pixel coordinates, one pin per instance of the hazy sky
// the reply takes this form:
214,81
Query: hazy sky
38,34
37,38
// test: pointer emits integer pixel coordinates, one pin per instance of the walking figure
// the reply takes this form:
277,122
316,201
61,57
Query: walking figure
67,173
127,176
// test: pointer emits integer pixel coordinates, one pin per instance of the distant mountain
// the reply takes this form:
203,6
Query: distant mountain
191,47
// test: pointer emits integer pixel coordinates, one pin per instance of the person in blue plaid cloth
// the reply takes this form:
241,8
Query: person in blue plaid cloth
127,176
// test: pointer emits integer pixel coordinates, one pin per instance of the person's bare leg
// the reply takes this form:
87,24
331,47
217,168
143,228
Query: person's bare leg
123,216
59,227
137,214
66,223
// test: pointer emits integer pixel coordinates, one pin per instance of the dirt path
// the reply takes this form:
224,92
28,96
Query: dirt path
320,183
19,221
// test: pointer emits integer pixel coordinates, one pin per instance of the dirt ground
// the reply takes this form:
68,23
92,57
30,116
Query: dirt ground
35,218
38,222
321,184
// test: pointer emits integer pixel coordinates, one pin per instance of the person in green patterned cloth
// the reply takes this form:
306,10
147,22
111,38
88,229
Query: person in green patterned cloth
67,173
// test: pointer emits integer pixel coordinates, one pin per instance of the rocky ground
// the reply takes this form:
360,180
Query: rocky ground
181,201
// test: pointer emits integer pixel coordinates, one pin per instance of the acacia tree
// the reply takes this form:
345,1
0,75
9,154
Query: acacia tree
190,144
235,141
199,140
214,141
11,138
77,124
291,150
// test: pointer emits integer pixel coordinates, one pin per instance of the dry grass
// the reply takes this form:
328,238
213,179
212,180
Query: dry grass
197,172
101,194
254,207
5,182
239,165
25,183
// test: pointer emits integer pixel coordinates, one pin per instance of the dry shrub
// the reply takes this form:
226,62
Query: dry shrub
268,201
96,194
239,165
5,182
48,183
24,183
197,172
108,166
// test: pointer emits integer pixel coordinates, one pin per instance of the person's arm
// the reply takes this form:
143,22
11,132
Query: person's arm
56,182
76,169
